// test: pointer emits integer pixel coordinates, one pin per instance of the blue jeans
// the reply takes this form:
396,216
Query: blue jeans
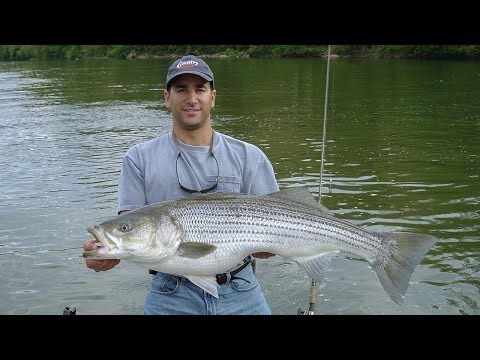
173,295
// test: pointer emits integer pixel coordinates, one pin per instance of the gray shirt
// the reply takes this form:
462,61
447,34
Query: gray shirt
149,170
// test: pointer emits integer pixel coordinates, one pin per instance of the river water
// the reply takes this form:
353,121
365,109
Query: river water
402,154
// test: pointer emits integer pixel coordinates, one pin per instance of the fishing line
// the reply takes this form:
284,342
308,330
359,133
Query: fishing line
23,251
324,134
313,288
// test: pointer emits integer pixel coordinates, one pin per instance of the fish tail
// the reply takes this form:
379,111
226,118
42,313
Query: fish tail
406,253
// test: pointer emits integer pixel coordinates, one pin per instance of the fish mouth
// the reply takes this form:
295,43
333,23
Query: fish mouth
104,245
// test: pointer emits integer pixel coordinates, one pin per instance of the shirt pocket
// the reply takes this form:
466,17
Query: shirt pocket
227,183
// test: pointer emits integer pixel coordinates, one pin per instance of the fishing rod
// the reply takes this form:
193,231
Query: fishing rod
324,134
313,288
70,310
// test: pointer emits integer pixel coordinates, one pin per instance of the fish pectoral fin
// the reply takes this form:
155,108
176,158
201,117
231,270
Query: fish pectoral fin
206,283
195,250
316,267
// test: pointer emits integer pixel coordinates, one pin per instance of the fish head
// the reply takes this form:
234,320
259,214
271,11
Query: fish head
140,234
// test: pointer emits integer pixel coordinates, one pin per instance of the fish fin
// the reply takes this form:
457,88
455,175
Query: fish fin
300,195
316,267
142,258
194,250
206,283
395,272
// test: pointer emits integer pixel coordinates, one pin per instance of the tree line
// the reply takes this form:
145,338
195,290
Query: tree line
79,52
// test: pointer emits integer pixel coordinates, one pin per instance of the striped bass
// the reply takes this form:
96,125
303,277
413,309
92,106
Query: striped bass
208,234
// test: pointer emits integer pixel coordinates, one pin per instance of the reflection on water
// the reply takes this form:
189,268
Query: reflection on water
402,154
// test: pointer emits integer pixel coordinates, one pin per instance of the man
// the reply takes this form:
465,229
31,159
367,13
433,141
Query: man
191,159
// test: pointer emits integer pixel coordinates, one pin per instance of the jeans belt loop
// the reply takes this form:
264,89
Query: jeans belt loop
223,278
227,277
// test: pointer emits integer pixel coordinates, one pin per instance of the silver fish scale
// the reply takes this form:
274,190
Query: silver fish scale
273,224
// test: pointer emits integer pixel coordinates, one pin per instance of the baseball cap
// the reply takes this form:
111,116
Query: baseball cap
189,64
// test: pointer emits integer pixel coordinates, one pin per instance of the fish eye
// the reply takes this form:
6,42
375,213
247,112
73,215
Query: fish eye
124,227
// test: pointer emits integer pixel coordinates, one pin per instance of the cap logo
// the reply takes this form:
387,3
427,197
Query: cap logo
187,64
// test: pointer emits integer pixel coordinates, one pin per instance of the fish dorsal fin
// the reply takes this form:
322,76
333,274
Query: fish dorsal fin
194,250
300,195
207,283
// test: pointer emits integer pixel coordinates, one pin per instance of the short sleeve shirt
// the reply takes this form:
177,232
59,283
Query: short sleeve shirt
151,171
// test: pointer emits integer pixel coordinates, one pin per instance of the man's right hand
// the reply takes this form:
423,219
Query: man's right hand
98,265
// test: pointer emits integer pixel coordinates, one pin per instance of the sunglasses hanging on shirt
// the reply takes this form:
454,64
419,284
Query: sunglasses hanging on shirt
179,155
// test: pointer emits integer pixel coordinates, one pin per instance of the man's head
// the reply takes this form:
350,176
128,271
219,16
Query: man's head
189,64
189,93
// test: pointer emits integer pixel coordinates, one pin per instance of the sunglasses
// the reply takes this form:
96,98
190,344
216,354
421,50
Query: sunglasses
193,191
187,189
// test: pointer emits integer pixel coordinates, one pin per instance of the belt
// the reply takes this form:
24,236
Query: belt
222,278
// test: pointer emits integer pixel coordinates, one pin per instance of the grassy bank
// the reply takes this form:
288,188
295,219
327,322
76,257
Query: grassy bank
74,52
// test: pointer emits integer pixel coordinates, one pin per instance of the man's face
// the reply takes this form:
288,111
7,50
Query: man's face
190,100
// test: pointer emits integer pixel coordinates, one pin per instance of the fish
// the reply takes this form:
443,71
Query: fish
207,234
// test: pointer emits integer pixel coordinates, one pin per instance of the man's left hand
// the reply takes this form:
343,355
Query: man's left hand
262,255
